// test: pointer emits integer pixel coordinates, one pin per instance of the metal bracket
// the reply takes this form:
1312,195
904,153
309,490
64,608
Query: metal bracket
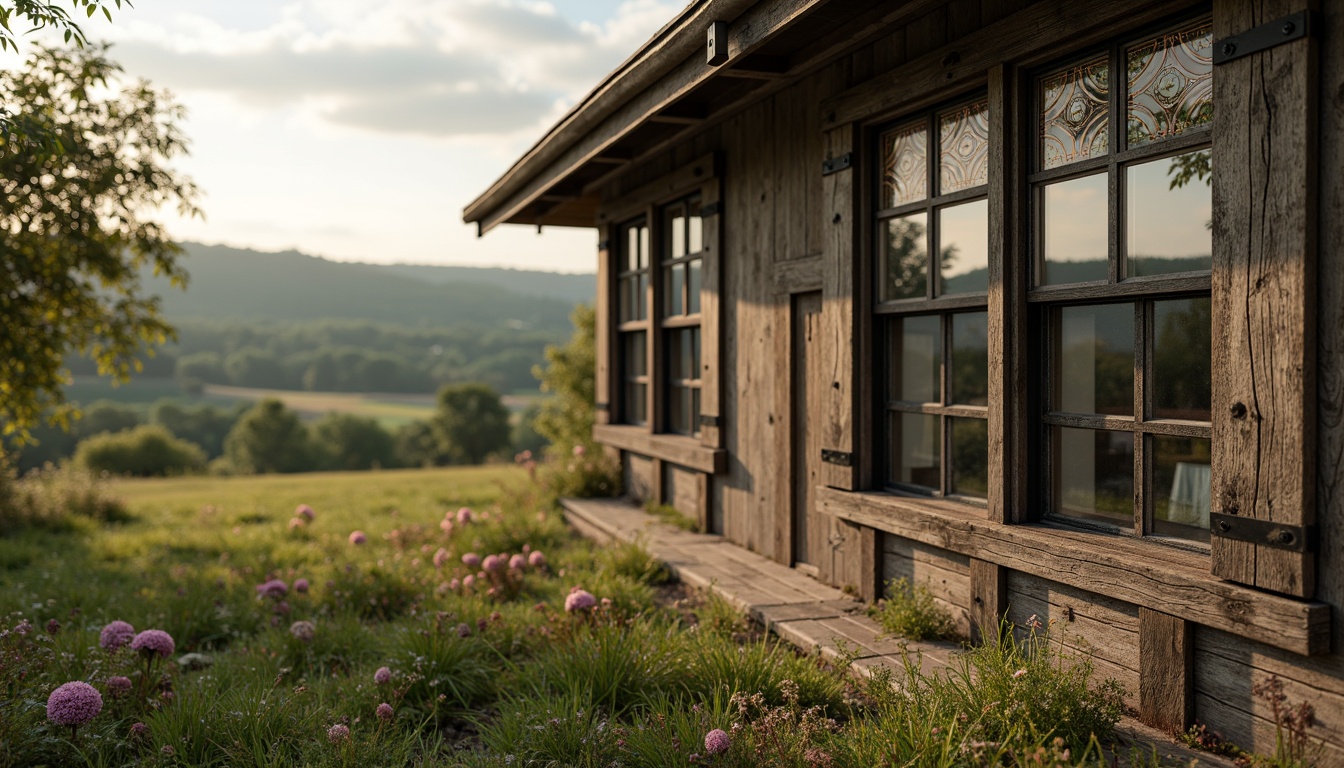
1265,36
601,406
835,164
838,458
604,245
1294,538
709,421
711,209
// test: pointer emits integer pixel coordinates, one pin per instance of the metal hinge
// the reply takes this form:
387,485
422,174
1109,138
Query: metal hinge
602,406
711,209
604,245
839,458
708,421
1294,538
1265,36
833,164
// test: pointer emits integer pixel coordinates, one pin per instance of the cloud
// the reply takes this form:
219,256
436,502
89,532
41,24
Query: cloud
444,113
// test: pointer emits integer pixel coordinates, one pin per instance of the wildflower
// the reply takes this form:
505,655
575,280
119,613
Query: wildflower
382,676
273,588
139,730
74,704
53,626
463,630
579,450
717,742
384,712
118,684
536,559
446,525
464,515
304,511
1019,673
493,563
338,733
303,630
471,559
168,750
468,581
518,562
115,635
579,600
301,586
440,557
357,537
154,641
295,523
454,583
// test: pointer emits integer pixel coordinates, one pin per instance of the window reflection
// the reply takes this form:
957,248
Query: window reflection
1181,486
970,457
907,257
1094,359
1094,474
1075,242
963,231
918,458
1182,359
918,357
1169,210
970,358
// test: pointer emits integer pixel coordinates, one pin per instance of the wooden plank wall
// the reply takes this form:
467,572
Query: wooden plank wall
946,574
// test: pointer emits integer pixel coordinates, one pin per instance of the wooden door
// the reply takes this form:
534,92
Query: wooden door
809,537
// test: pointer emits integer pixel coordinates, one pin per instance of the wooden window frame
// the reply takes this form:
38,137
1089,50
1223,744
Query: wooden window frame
640,325
671,324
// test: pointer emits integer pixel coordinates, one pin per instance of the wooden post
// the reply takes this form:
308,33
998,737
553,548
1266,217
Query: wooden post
989,599
870,564
836,390
1166,671
711,305
604,327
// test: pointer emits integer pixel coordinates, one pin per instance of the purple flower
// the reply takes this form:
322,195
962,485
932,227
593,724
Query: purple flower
115,635
139,730
154,641
118,685
518,562
493,563
454,583
717,742
53,626
383,676
464,515
441,557
295,523
536,559
384,712
446,525
356,537
579,600
304,511
74,704
338,733
301,586
273,588
468,581
463,630
1019,673
471,559
303,630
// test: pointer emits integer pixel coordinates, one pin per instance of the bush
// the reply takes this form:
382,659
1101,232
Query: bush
55,499
349,442
910,611
268,438
471,423
146,451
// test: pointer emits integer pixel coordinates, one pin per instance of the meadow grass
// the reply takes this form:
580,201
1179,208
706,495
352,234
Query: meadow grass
491,674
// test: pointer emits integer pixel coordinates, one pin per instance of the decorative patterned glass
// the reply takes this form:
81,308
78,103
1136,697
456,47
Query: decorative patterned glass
917,459
1093,474
905,166
963,237
1170,84
970,358
1075,115
1181,486
906,257
970,457
1168,209
1182,359
963,148
1093,354
1076,240
918,359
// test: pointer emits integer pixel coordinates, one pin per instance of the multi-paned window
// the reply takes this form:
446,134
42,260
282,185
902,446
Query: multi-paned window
1123,247
932,241
681,258
633,315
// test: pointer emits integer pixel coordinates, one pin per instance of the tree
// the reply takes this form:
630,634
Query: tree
268,438
351,442
146,451
75,226
471,422
566,417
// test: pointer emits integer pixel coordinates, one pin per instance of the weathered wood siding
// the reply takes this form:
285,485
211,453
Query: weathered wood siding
946,574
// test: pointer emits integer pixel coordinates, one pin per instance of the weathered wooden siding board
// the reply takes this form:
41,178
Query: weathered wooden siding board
926,33
604,328
638,475
711,321
838,297
1264,262
681,489
946,574
1166,682
989,599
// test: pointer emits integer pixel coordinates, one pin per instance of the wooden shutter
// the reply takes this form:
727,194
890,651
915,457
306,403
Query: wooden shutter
604,329
1264,269
711,302
838,390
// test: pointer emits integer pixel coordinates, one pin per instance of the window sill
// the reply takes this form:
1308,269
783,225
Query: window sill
1143,573
677,449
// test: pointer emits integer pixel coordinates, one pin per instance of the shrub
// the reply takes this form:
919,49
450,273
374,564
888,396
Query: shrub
471,422
268,438
910,611
55,499
146,451
632,561
718,666
349,442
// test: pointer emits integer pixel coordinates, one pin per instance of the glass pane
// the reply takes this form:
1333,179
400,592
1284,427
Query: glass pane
694,371
917,359
672,301
696,237
963,148
636,359
678,410
1094,359
632,249
970,457
1093,474
905,175
636,403
963,240
1181,483
627,310
1170,84
693,287
1076,242
970,358
916,456
695,411
1169,215
907,257
642,297
643,246
677,229
1075,113
1182,359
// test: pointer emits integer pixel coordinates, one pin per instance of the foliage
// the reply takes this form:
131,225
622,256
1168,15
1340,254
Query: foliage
416,445
670,515
910,611
566,418
146,451
471,423
268,438
349,442
77,231
41,15
54,499
204,425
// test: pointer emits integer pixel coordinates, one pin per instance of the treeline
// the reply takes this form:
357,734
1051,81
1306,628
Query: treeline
347,356
470,425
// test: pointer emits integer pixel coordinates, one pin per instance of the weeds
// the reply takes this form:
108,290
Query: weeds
910,611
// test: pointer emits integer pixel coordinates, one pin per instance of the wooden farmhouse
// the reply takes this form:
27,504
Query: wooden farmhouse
1040,304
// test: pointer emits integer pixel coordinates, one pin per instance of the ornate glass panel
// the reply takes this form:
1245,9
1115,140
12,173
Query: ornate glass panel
1093,474
963,248
1170,84
1093,355
963,148
1168,212
1182,359
918,443
905,250
1075,114
970,457
905,175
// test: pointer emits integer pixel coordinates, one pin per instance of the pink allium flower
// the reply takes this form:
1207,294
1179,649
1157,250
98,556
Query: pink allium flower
338,733
53,626
115,635
383,676
579,450
74,704
446,525
301,586
384,712
118,685
717,742
441,557
304,511
154,641
1019,673
493,563
471,559
295,523
274,588
518,562
536,559
579,600
139,730
168,750
303,630
468,581
463,630
464,515
356,537
454,583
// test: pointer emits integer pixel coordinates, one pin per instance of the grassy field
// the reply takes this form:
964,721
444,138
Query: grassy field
407,650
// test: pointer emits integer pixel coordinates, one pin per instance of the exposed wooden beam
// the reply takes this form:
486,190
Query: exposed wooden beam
758,67
684,112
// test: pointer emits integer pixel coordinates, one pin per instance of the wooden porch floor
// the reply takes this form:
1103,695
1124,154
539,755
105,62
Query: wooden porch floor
796,607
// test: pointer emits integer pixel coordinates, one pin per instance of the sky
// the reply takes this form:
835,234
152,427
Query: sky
358,130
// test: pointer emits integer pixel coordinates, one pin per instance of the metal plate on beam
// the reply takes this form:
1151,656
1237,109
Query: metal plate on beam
1284,30
1294,538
